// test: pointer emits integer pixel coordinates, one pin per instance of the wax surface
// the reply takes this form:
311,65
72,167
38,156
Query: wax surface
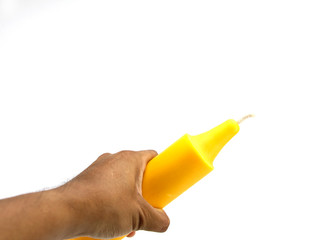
183,164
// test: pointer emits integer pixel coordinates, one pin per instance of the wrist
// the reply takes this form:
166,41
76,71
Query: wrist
66,210
90,212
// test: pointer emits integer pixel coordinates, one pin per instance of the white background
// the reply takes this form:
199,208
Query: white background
80,78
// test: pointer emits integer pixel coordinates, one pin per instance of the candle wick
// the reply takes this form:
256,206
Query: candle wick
244,118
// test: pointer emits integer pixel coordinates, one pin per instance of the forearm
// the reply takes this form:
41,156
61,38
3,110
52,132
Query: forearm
43,215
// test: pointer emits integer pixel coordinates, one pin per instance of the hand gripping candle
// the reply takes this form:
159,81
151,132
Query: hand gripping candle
183,164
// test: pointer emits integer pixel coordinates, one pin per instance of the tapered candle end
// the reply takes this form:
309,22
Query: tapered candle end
211,142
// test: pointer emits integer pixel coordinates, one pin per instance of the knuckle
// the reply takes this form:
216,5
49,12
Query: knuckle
104,155
153,152
148,154
125,152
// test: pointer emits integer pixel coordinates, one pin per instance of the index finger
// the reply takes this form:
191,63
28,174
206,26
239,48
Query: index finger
147,155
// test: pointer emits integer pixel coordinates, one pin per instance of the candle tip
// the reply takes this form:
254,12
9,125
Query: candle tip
244,118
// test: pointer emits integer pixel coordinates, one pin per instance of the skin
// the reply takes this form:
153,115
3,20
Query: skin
104,201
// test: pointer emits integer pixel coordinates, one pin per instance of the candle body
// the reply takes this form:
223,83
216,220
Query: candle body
173,171
182,164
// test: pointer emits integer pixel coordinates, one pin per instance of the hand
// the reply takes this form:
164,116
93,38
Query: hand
106,198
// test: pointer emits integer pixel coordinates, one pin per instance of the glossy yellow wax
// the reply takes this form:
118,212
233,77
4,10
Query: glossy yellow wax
183,164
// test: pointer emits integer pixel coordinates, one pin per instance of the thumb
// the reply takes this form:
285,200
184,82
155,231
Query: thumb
154,219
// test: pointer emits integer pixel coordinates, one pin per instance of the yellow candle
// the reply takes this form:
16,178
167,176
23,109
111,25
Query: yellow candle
183,164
